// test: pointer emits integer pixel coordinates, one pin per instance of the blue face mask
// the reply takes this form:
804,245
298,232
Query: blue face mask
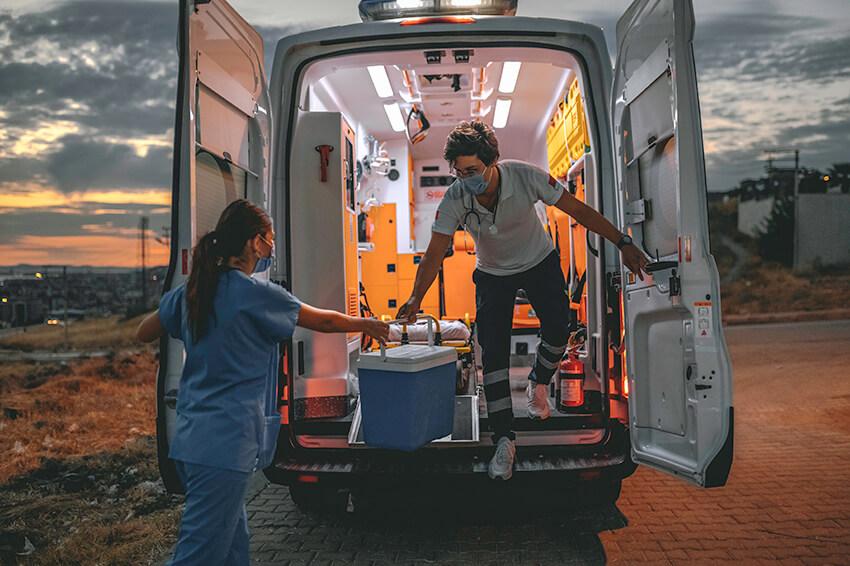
474,185
264,263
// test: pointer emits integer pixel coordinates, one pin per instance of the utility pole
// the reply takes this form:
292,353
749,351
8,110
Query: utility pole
65,301
143,240
796,209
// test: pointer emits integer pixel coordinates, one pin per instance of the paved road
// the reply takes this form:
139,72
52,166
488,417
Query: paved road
787,500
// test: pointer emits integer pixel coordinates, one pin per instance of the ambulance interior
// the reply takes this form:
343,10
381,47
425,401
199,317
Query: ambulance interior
398,107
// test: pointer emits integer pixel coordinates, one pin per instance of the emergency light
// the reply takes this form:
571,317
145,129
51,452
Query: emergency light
374,10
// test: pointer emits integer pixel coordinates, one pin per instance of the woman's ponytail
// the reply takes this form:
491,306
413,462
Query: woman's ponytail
239,222
202,284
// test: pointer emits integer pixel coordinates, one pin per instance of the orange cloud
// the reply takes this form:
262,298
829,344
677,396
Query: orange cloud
95,250
38,197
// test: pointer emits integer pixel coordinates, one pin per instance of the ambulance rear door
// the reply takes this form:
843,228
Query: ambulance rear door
221,153
679,372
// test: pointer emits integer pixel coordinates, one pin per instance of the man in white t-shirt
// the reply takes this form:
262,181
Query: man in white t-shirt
494,201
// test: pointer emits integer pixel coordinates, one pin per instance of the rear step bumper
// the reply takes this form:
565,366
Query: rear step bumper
344,468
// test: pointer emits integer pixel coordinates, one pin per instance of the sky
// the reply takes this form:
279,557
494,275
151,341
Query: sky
87,91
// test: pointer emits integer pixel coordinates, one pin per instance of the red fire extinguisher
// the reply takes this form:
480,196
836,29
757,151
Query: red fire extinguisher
570,392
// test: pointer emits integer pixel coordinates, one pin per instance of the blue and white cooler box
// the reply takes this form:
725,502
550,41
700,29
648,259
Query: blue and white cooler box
407,399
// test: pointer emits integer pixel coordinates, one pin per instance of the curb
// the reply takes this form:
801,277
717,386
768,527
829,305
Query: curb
792,316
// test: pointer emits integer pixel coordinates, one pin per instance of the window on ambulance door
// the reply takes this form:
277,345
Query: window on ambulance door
218,183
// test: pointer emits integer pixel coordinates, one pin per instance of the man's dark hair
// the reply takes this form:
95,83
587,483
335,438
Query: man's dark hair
472,138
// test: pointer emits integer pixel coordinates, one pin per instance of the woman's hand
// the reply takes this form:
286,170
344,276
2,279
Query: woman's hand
378,330
408,310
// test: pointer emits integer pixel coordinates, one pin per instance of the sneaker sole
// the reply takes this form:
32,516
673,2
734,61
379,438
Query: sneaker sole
498,477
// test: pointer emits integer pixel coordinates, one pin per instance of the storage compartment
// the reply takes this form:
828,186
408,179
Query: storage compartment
407,399
576,125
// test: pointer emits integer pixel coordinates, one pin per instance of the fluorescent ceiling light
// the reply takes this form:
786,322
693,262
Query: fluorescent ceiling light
381,81
394,114
503,108
411,3
464,3
510,72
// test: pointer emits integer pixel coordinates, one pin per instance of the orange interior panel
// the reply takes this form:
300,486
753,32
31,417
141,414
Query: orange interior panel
457,279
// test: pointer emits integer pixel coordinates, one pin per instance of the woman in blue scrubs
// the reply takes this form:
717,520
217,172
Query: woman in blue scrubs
227,419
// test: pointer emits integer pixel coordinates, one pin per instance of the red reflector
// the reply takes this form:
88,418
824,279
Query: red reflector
588,476
308,479
438,20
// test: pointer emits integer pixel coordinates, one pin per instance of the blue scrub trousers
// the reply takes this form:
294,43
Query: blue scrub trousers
214,529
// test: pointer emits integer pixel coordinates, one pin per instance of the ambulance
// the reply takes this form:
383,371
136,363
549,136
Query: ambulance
343,146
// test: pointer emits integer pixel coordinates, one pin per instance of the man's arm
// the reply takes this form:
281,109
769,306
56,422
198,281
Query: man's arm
633,258
425,274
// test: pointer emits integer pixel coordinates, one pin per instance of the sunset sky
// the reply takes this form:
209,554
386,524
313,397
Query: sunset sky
87,94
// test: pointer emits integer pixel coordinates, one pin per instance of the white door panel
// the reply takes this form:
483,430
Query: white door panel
221,152
680,378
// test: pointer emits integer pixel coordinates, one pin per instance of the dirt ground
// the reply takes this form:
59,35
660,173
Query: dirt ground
79,482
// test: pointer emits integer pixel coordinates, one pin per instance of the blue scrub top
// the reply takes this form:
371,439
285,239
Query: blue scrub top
226,404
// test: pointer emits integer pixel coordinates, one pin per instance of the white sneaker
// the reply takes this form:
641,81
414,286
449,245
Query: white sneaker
538,402
502,465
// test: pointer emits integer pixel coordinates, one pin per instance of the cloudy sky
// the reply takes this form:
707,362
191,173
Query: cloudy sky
87,95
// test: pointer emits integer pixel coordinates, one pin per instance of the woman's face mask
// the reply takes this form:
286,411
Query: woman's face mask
264,263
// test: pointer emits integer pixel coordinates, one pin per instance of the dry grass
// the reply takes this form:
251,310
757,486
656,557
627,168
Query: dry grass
90,406
78,465
766,287
118,514
110,333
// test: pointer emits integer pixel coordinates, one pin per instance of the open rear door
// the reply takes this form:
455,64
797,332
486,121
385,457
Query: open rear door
221,152
680,376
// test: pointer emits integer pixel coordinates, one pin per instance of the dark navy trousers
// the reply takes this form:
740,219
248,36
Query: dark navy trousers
494,302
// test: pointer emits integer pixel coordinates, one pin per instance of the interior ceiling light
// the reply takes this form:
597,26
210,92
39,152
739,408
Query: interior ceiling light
381,81
503,108
394,114
510,73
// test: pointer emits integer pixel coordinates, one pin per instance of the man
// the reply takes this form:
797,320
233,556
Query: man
494,201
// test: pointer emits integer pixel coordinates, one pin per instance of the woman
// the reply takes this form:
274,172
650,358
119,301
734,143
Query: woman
227,419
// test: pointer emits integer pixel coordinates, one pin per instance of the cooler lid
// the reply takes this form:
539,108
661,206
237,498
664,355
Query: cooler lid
408,358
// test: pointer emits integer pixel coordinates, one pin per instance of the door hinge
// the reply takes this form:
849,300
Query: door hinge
638,211
675,285
170,399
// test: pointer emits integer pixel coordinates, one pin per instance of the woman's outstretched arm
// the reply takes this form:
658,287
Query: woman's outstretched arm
322,320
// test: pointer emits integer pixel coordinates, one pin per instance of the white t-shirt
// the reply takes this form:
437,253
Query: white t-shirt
520,242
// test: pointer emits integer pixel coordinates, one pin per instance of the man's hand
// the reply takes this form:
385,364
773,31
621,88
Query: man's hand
634,259
408,310
378,330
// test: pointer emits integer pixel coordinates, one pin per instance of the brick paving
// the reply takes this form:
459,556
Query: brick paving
787,500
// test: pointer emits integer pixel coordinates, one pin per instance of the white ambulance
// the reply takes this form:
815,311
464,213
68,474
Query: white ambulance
353,123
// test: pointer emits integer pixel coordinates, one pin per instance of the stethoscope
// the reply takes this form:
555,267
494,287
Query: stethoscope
493,229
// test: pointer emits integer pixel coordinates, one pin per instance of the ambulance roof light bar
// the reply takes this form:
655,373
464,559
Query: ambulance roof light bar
375,10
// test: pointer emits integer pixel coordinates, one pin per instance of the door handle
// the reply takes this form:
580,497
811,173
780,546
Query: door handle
660,265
